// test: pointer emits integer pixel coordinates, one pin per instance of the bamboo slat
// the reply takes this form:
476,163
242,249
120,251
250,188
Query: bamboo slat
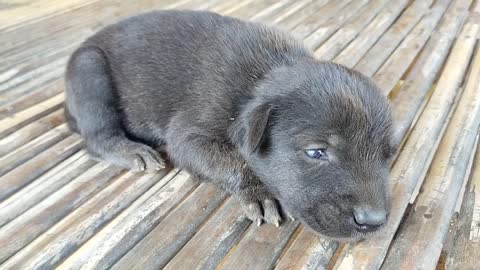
423,233
49,249
464,252
387,43
33,130
250,10
314,7
328,28
230,7
413,94
126,230
32,148
271,10
170,235
306,25
8,125
309,251
28,171
292,10
260,247
214,240
416,155
45,185
22,230
396,65
15,103
344,35
33,11
374,30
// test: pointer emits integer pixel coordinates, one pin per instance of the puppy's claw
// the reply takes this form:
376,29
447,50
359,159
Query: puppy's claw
253,212
292,218
271,213
139,166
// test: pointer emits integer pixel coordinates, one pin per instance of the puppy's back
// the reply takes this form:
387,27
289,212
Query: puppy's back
163,62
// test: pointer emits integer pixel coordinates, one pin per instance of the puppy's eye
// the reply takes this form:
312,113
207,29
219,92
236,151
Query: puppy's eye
320,153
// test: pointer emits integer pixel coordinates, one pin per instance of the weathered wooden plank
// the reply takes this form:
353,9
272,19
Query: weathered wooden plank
125,231
252,9
201,4
396,65
336,43
413,161
27,172
30,75
59,46
292,10
328,28
229,7
36,33
30,132
282,13
308,252
387,43
65,32
46,251
214,239
60,43
41,76
23,55
27,12
270,11
423,233
375,29
302,14
22,230
260,247
20,119
464,251
312,19
32,148
163,242
35,96
410,98
45,185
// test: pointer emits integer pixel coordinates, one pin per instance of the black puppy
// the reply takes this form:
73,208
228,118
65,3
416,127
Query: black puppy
242,105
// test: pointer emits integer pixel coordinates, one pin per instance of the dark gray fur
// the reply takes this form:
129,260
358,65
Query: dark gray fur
237,104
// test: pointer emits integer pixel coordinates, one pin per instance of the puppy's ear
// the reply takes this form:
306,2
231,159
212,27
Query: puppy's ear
257,127
249,132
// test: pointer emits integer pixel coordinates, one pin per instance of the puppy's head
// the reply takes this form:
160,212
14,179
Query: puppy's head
319,136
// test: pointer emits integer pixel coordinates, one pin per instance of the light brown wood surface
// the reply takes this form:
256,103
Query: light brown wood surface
60,209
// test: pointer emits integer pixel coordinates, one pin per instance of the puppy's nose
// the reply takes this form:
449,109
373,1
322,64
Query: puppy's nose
369,220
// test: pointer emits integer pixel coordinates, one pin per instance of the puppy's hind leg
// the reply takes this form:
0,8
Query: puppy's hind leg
91,111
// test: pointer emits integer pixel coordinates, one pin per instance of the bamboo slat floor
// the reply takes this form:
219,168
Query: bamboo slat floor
61,209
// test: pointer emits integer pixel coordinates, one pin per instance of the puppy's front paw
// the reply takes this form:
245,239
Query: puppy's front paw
135,156
146,158
266,210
